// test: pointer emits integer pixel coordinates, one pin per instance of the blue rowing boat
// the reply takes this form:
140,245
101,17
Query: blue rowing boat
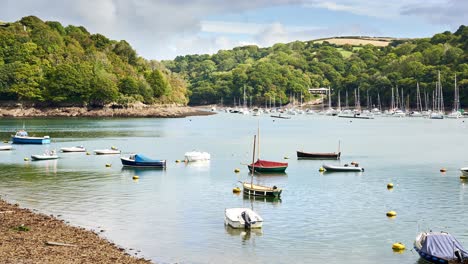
22,137
138,160
440,247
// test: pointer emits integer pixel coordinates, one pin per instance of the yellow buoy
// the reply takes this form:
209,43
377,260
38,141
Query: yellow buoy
398,246
443,170
6,141
113,148
390,186
236,190
463,177
87,153
236,170
391,214
108,165
136,177
177,161
321,169
286,157
26,159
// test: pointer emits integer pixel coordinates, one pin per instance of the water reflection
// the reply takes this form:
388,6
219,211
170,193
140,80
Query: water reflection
273,200
199,165
245,234
49,166
140,171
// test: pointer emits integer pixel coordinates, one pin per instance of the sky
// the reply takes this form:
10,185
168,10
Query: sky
164,29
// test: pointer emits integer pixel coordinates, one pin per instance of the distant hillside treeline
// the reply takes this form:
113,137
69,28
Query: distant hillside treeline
45,63
289,69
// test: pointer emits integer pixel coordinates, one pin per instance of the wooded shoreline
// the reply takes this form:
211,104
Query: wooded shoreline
30,237
134,111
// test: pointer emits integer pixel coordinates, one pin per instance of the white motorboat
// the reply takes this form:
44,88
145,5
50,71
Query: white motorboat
73,149
344,168
197,156
110,151
6,147
464,171
46,156
242,218
455,115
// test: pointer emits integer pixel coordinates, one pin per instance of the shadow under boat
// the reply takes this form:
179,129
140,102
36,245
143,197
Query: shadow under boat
142,170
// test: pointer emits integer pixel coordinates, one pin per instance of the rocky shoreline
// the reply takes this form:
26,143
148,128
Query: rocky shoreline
28,237
163,111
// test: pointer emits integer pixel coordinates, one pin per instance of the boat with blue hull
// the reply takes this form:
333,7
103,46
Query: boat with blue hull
138,160
22,137
440,247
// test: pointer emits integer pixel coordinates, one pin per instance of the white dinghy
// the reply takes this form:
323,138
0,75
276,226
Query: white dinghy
242,218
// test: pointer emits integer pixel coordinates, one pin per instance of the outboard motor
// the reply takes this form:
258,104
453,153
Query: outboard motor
459,255
247,221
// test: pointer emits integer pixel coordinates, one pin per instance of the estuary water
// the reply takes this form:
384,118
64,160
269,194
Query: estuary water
177,214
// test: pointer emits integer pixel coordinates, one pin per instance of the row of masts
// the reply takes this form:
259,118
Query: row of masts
397,99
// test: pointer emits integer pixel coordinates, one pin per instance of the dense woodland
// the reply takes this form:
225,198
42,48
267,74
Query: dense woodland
287,70
47,64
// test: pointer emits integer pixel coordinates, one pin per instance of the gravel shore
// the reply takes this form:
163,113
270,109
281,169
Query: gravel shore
28,237
163,111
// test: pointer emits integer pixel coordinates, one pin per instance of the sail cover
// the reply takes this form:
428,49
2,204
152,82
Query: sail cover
442,245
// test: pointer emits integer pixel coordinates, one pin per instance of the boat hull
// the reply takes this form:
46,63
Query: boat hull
279,169
2,148
30,140
146,164
331,168
43,157
261,191
106,152
464,171
233,218
73,149
308,155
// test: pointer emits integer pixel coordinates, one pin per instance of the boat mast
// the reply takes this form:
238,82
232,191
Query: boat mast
339,101
378,101
258,139
347,106
253,162
456,100
329,98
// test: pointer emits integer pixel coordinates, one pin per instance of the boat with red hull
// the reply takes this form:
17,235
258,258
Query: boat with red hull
268,166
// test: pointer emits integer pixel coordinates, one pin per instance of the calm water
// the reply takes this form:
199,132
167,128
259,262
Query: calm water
176,215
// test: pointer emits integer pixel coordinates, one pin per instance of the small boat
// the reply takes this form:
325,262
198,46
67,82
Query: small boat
268,166
6,147
280,116
73,149
464,171
440,247
197,156
112,150
315,155
346,167
22,137
259,190
46,156
138,160
242,218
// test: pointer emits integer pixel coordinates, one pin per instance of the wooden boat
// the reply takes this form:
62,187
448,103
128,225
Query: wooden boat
112,150
312,155
197,156
73,149
46,156
265,166
344,168
440,247
138,160
6,147
242,218
250,189
22,137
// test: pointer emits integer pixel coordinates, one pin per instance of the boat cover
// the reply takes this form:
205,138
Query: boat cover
142,158
269,164
442,245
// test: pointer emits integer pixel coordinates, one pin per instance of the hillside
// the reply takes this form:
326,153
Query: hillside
283,71
47,64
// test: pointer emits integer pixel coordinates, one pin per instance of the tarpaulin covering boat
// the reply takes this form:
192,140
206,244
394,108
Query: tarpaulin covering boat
138,160
440,247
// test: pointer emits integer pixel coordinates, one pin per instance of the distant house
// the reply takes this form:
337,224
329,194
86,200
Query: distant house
320,90
4,24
